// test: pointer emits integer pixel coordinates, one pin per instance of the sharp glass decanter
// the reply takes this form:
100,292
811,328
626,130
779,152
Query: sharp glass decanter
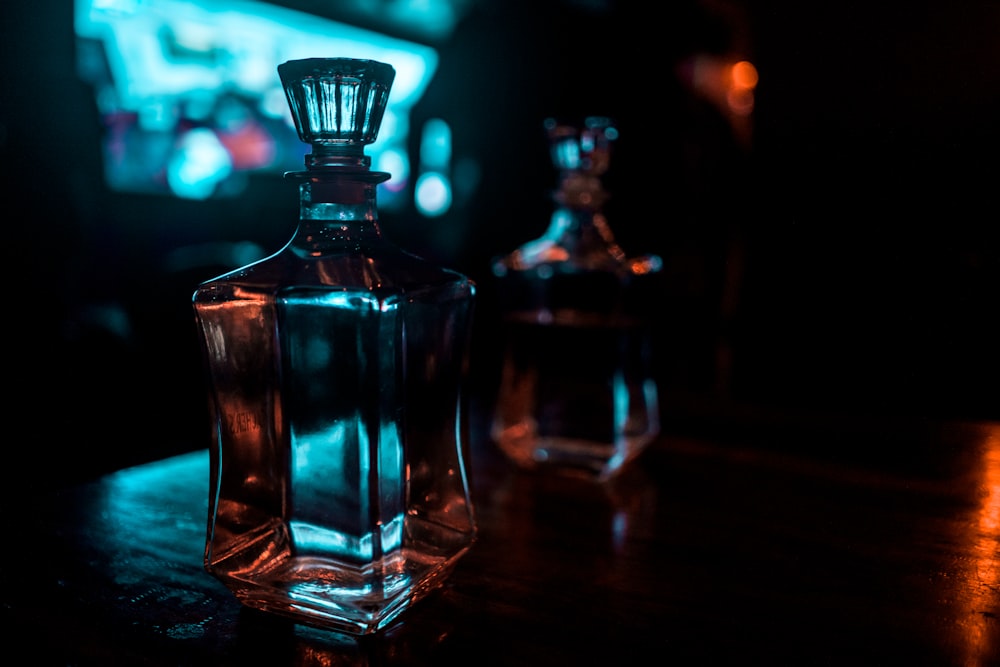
336,372
577,393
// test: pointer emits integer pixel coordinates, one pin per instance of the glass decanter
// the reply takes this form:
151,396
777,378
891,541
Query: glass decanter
576,392
336,374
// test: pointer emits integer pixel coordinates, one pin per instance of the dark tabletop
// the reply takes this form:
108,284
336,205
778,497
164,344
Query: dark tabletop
826,544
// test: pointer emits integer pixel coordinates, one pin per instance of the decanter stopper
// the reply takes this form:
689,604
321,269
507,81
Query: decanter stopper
337,105
582,155
585,149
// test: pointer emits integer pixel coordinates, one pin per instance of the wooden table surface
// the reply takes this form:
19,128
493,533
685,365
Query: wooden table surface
826,545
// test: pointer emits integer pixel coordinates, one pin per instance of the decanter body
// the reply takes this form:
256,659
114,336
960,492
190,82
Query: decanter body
336,369
576,393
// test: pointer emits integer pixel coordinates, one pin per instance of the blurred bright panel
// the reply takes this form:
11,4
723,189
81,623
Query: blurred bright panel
159,68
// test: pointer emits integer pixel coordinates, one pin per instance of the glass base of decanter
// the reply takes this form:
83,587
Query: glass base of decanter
570,456
314,584
321,593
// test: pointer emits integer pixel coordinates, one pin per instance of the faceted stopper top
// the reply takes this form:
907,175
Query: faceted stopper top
337,105
582,153
582,148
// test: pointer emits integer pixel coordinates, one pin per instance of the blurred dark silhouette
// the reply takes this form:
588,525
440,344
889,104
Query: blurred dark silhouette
674,172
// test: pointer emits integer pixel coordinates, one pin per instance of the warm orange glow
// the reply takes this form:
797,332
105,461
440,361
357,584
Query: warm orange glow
989,516
740,101
743,79
744,75
728,83
982,589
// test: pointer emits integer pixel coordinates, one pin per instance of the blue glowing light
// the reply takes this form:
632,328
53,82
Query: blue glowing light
198,165
435,145
433,194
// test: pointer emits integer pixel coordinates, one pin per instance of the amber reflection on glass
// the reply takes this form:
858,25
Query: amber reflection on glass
980,596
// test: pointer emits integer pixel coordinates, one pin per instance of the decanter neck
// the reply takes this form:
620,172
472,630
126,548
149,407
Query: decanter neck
336,207
580,191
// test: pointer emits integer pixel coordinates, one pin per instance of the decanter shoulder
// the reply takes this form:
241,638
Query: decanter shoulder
381,267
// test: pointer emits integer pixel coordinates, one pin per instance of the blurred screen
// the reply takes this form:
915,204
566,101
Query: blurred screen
189,96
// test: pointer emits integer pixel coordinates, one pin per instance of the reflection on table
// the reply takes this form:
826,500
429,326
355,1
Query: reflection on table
881,545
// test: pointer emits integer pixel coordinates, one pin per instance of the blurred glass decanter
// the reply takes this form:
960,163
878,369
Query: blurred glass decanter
336,370
576,392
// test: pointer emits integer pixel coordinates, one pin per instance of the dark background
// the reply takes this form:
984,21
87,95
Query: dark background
840,260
